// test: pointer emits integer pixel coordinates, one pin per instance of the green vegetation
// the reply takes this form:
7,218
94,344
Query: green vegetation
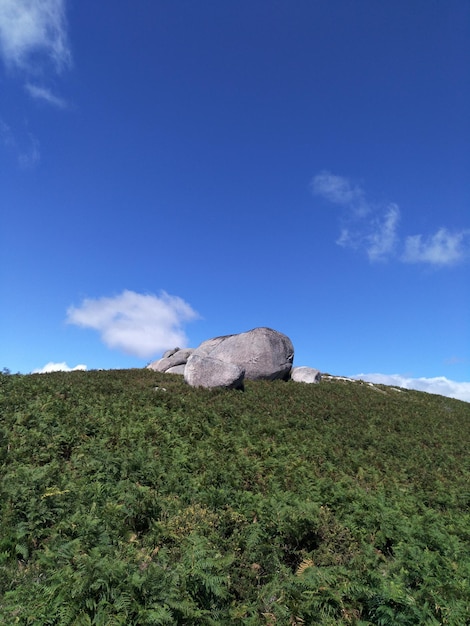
338,503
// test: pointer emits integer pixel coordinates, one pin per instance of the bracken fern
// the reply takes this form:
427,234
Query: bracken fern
286,504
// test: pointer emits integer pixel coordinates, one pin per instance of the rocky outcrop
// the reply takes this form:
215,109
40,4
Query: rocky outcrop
263,353
304,374
205,371
258,354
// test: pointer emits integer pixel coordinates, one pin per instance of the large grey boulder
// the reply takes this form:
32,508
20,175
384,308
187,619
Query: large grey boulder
205,371
171,359
263,353
304,374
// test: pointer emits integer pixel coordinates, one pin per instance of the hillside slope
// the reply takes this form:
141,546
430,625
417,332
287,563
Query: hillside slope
127,497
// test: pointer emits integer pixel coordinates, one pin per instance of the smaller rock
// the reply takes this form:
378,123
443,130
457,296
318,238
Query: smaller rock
304,374
205,371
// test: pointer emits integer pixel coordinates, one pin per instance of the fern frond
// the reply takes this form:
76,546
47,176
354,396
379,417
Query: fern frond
306,564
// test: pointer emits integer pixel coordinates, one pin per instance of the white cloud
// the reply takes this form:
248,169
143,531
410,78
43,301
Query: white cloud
138,324
58,367
439,385
30,29
42,93
442,248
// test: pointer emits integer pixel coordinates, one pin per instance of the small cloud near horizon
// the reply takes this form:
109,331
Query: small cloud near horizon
438,385
58,367
138,324
372,227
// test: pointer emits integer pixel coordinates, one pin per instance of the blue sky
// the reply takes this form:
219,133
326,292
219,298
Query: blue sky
173,170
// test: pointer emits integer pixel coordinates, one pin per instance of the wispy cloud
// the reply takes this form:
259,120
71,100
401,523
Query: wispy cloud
371,227
455,360
58,367
439,385
138,324
42,93
33,41
31,31
442,248
365,226
339,190
26,150
382,240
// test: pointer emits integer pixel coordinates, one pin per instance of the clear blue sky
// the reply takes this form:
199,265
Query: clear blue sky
174,170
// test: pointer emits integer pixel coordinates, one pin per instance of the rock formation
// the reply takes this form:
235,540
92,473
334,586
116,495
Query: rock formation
258,354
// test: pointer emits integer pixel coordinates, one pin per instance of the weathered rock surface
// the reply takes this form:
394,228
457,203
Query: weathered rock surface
205,371
171,358
262,352
304,374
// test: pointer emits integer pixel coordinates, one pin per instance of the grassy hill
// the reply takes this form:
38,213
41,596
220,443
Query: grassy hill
127,497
